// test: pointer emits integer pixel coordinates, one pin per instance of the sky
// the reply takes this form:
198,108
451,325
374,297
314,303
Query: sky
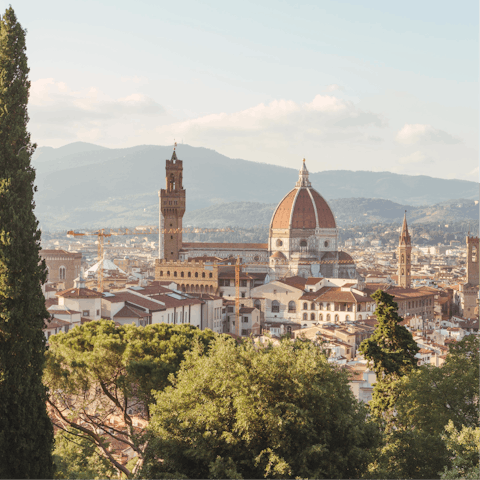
357,85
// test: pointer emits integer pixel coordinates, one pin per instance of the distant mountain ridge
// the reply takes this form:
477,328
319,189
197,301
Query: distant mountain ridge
84,185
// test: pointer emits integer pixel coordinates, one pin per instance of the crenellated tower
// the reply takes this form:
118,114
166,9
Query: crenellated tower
172,209
472,260
404,256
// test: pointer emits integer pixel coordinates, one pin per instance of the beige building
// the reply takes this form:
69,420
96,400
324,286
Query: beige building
63,267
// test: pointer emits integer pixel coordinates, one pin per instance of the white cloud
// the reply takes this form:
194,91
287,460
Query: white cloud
415,158
326,117
419,134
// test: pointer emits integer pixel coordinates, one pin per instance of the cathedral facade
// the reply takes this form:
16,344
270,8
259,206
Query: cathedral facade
303,236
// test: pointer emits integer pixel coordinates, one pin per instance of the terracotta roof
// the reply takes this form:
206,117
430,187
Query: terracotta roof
302,208
313,280
141,301
171,302
246,310
297,282
45,253
56,323
128,312
278,254
51,301
79,293
331,257
153,290
224,246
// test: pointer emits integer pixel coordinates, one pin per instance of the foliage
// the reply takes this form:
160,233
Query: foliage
76,457
464,447
429,399
249,411
26,434
99,373
391,352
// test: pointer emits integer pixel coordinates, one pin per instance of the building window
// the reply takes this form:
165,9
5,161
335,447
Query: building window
189,274
243,294
326,243
257,304
161,273
98,312
275,307
305,316
174,274
203,274
244,283
86,313
328,306
305,306
292,307
303,243
196,274
328,317
347,317
320,318
62,273
336,318
210,275
182,274
245,319
312,316
312,306
279,244
168,273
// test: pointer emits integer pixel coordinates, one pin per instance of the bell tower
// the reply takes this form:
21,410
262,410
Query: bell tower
172,208
472,260
404,256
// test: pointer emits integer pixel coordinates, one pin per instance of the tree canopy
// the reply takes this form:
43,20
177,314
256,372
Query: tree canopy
252,412
26,434
101,376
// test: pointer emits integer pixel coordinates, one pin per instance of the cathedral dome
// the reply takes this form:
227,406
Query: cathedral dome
303,207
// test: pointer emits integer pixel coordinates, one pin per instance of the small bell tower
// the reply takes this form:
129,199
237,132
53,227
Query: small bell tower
172,209
404,256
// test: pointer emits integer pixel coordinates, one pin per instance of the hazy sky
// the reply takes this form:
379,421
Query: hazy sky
360,85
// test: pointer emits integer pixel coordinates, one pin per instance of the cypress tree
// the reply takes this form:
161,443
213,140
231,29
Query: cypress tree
26,433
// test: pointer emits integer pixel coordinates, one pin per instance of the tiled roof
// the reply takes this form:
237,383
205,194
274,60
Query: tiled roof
56,323
313,280
246,310
141,301
296,281
79,293
153,290
46,253
128,312
171,302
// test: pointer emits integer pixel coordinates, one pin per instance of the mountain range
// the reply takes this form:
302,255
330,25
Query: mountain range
83,185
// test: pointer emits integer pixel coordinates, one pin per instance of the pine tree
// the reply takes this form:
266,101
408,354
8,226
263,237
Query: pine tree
391,350
26,434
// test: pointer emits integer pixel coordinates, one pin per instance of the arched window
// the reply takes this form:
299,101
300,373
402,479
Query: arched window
336,318
305,316
359,307
312,306
347,317
182,274
305,306
279,243
328,317
326,244
62,273
275,306
320,318
174,274
292,307
303,243
403,259
210,275
196,274
257,304
403,272
189,274
328,306
161,273
168,273
203,274
312,316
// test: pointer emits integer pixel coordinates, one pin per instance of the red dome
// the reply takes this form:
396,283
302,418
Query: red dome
303,207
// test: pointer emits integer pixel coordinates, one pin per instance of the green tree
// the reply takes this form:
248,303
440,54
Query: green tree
464,447
99,373
429,399
251,412
391,352
26,434
75,456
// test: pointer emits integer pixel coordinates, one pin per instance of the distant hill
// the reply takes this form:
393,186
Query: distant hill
83,185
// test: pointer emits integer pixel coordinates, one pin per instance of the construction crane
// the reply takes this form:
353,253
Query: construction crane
108,232
237,295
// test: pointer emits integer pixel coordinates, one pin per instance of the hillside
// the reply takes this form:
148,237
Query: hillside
85,185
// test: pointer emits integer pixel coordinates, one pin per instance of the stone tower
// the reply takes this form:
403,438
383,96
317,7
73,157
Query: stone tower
404,256
472,260
172,208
